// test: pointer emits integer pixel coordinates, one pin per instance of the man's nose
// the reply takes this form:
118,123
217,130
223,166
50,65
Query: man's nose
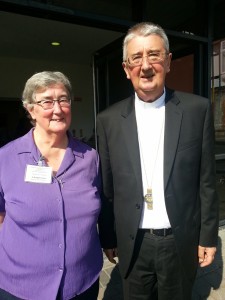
145,63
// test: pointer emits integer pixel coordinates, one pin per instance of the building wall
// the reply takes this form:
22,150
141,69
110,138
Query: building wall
180,76
218,88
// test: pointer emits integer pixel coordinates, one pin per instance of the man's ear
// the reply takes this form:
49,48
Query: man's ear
168,62
126,70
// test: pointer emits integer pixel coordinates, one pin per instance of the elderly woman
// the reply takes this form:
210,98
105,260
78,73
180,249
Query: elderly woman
49,202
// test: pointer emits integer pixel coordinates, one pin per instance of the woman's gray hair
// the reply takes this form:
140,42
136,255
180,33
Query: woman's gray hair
43,80
144,29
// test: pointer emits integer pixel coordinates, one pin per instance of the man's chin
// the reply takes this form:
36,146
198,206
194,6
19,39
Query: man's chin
147,86
148,94
148,90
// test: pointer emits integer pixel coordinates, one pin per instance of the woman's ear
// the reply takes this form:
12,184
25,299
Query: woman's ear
30,110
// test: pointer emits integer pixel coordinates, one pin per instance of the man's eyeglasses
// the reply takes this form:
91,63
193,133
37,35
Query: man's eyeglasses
49,103
152,58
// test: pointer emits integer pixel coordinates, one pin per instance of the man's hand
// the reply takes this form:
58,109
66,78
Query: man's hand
206,255
111,253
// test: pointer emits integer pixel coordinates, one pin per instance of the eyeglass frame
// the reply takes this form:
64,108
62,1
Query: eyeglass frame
164,54
53,102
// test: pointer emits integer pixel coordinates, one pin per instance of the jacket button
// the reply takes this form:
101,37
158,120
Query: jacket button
137,206
131,237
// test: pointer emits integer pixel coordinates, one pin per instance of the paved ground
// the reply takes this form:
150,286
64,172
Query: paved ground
209,284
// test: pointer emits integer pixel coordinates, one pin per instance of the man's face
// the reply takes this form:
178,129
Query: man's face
148,79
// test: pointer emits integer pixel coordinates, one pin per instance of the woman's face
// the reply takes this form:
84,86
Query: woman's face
53,120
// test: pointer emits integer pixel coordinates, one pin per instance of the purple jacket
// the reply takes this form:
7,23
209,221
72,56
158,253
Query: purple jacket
49,235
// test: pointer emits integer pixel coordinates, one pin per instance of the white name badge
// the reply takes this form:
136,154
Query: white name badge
38,174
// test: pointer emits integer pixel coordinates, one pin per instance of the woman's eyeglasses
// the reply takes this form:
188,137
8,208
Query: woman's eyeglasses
49,103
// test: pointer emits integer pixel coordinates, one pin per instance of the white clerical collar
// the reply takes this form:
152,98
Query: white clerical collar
150,105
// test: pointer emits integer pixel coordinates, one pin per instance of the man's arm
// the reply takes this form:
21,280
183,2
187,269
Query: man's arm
208,196
106,220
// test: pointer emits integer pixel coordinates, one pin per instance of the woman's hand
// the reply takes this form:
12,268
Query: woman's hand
2,216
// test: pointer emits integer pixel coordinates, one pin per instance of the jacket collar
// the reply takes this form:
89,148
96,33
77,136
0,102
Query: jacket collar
128,106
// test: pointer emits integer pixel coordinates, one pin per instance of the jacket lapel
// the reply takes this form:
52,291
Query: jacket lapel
173,118
129,128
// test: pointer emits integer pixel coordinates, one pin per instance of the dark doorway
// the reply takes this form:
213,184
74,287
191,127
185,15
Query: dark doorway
13,120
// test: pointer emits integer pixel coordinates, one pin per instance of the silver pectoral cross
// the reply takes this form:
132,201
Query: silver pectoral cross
149,199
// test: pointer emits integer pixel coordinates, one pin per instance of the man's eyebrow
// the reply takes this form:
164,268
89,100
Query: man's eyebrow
137,52
148,51
153,50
